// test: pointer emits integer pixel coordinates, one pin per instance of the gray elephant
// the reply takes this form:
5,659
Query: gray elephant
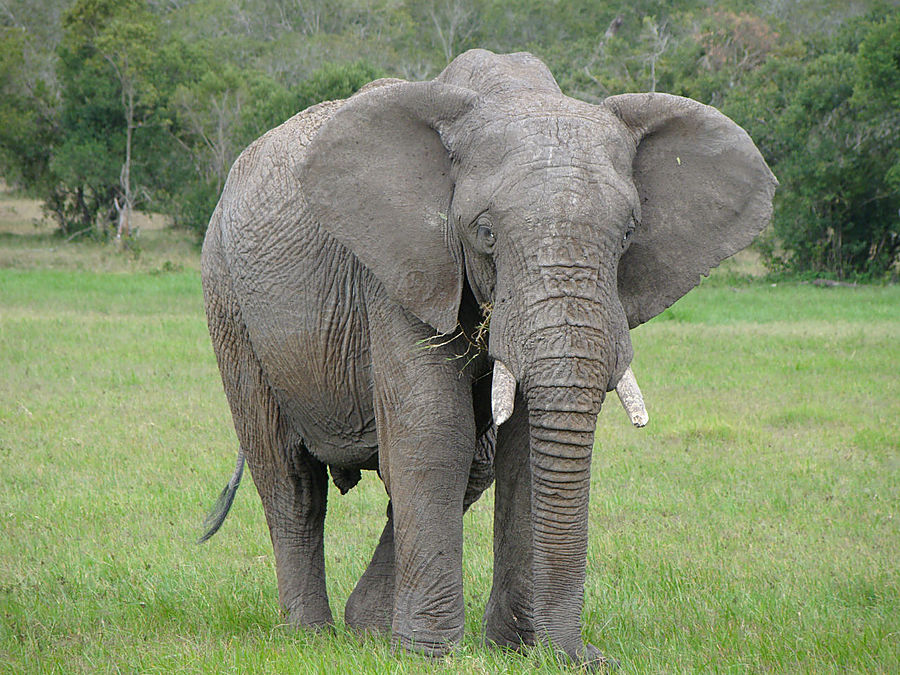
436,281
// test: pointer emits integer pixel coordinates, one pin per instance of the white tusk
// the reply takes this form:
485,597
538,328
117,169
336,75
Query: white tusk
632,399
503,393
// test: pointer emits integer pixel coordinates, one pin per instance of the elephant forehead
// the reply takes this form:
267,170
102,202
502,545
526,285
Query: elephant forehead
544,120
561,192
544,146
551,161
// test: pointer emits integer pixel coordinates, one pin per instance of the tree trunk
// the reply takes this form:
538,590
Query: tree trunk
124,210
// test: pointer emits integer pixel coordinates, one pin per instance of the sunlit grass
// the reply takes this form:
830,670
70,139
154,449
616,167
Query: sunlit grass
754,525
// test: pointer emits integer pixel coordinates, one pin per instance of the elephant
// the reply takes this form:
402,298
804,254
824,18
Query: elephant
436,281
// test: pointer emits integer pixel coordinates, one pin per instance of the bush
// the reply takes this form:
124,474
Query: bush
334,81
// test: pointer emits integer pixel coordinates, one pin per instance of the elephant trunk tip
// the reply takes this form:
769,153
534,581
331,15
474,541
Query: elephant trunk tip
632,399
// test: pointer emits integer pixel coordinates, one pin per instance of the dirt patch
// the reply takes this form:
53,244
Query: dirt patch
28,241
20,215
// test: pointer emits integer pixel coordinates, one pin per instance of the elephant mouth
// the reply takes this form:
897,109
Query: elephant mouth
503,394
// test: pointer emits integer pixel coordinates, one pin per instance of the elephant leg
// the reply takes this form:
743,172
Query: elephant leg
291,483
481,474
426,441
371,604
508,617
294,503
370,607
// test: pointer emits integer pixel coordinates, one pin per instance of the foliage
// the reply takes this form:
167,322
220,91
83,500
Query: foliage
187,85
225,109
28,114
829,124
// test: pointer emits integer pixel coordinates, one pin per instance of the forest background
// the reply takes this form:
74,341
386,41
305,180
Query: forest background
108,106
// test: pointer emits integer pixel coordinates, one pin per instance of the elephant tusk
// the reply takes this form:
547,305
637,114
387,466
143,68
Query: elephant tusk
503,393
632,399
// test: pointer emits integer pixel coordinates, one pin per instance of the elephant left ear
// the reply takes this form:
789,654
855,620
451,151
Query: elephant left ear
705,193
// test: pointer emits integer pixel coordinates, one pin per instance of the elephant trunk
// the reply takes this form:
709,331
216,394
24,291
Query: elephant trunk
566,341
563,397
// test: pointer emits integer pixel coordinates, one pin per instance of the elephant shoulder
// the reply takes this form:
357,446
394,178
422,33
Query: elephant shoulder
268,164
264,173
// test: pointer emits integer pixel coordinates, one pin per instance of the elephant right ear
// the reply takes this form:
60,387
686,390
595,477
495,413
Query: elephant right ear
378,178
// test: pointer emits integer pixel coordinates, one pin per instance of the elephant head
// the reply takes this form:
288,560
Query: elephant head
576,222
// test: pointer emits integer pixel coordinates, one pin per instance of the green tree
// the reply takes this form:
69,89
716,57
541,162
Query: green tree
876,92
218,113
212,116
107,60
28,112
829,128
334,81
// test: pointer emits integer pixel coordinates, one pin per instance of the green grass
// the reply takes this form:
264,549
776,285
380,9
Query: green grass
753,526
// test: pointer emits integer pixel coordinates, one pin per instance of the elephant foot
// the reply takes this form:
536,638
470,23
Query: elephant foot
428,628
432,646
306,612
508,624
590,659
320,622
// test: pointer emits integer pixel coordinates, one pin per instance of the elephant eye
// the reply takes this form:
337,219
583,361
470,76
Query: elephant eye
484,234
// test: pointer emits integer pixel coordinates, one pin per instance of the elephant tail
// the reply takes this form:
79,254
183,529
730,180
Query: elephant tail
219,512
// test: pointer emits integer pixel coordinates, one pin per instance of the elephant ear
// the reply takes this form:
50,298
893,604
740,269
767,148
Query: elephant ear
378,178
705,193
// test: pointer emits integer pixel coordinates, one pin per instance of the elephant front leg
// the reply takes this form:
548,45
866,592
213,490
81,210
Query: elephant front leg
370,607
508,617
426,440
428,599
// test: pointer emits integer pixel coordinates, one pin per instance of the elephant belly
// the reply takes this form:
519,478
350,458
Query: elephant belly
304,310
322,381
336,427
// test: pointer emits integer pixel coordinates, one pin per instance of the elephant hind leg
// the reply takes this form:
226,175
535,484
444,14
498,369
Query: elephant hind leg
370,607
291,483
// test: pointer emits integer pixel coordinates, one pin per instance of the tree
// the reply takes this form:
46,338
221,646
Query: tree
28,112
115,40
29,93
827,120
223,110
876,92
655,38
451,22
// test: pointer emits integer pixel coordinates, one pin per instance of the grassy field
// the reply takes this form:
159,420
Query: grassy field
753,526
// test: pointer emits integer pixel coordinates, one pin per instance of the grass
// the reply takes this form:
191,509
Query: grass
753,526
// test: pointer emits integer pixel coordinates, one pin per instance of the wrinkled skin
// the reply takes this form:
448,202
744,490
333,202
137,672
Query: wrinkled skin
359,229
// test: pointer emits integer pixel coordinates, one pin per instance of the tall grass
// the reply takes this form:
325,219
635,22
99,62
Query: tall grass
753,526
